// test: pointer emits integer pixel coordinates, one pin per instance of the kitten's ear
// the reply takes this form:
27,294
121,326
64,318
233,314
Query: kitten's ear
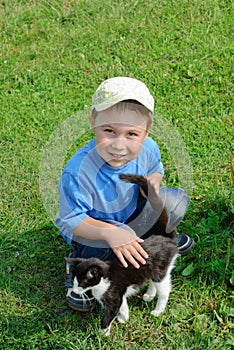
73,261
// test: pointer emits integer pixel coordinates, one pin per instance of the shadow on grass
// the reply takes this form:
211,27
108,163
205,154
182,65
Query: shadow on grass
33,292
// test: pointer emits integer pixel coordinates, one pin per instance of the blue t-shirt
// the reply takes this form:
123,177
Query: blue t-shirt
89,187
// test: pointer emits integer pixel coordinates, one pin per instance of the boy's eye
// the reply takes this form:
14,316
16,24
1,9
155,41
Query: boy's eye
132,134
108,130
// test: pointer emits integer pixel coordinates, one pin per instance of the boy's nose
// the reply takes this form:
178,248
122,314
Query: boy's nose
118,143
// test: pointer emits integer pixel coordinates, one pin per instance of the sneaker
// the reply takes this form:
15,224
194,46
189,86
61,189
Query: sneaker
78,302
185,243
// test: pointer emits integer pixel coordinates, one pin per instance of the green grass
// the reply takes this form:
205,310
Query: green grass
53,55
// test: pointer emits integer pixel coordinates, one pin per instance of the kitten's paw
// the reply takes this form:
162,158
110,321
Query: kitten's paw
156,313
105,331
122,318
148,297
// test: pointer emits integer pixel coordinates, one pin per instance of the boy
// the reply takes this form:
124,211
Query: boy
101,216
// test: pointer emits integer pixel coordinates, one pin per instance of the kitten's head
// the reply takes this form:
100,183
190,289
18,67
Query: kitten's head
88,272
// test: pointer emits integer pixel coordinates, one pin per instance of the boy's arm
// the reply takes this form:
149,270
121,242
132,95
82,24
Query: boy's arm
125,244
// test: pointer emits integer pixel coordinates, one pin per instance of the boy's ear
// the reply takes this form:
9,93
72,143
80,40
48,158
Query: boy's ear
92,122
146,134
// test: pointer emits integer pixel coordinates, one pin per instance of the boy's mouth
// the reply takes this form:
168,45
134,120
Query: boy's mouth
117,156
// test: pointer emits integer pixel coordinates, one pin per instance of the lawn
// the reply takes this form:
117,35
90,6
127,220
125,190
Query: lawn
53,55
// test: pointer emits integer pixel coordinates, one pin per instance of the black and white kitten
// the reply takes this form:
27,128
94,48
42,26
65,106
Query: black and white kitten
111,283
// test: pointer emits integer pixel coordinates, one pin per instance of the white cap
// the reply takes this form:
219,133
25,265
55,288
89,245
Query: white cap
114,90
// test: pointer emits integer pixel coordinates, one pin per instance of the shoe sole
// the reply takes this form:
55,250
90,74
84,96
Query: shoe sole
82,310
188,249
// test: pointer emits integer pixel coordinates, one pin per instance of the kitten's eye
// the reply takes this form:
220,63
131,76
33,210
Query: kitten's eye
90,275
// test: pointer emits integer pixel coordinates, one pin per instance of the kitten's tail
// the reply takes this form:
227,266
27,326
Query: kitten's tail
154,199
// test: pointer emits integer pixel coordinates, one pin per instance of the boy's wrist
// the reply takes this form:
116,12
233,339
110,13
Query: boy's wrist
118,237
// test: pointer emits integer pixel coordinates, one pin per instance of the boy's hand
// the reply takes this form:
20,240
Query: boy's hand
132,252
124,243
127,247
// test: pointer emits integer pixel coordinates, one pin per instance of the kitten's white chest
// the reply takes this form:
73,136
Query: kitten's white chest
99,290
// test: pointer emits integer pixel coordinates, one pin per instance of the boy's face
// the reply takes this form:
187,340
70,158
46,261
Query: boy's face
119,135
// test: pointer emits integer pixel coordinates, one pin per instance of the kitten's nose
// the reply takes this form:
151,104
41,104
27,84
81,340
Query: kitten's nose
76,289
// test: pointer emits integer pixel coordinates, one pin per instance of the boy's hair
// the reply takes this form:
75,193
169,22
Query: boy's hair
131,105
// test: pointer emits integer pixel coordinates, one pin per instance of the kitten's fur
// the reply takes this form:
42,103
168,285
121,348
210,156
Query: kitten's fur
112,284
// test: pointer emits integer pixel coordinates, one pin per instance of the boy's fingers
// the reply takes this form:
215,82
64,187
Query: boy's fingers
133,260
120,257
140,249
134,254
140,256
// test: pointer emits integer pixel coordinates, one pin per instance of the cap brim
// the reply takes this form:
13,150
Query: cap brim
103,106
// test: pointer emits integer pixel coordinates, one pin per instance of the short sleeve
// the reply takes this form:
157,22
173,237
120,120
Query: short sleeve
73,209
